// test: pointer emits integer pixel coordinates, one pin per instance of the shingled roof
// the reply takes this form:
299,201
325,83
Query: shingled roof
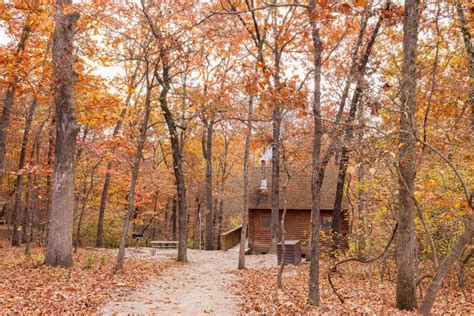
298,190
298,195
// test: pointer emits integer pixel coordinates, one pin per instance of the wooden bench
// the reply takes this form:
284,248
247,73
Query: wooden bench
163,244
160,244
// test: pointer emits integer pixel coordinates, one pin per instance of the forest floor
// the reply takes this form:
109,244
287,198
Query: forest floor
360,285
202,286
210,284
28,286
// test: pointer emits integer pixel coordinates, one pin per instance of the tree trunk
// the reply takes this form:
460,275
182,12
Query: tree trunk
19,179
59,249
85,198
27,210
177,152
165,230
314,295
361,213
245,209
443,269
45,217
34,200
135,171
348,136
276,131
105,190
197,223
30,210
406,290
8,103
174,219
207,153
220,207
466,35
283,233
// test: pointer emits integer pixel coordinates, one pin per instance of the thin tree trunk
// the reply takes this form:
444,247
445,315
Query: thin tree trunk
33,208
348,136
165,230
434,252
245,209
59,249
276,131
283,233
27,210
330,152
174,219
9,100
433,75
177,152
30,209
25,213
19,179
30,199
207,153
361,212
443,269
135,171
353,67
406,243
221,185
197,237
314,294
220,209
467,37
108,173
85,198
45,217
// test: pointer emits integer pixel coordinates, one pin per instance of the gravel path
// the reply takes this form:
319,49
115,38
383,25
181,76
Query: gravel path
200,287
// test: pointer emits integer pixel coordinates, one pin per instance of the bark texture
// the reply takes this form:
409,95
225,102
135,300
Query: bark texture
406,239
314,293
59,249
276,131
283,232
245,209
207,153
467,37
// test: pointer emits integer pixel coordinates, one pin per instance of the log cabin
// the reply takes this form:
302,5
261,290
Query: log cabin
298,203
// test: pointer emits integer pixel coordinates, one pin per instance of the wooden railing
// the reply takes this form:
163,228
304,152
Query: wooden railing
231,238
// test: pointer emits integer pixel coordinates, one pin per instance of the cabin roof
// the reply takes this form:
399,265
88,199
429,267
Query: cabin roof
298,190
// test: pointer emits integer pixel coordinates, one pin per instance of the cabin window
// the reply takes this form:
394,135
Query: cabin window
326,222
266,221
